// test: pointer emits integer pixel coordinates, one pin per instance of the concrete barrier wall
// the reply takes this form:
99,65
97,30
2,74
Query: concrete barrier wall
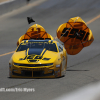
88,92
11,5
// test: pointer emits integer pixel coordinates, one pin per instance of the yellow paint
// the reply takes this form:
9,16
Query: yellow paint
53,66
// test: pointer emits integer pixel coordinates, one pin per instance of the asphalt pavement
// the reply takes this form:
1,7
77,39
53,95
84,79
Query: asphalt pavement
83,68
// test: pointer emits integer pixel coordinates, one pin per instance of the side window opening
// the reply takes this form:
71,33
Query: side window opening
60,47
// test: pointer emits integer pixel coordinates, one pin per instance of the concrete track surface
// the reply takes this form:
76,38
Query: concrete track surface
83,68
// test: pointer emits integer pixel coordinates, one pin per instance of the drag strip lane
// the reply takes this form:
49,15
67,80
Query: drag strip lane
50,18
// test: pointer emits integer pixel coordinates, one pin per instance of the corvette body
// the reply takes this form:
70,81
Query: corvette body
38,59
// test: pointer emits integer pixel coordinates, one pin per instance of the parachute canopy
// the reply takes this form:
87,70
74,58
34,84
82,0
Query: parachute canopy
75,35
35,32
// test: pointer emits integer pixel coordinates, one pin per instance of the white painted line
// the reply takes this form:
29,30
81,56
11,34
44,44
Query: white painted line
6,2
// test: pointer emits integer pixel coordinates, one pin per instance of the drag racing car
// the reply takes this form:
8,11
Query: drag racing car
38,55
38,58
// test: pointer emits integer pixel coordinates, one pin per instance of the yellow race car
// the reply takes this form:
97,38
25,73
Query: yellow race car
38,59
38,55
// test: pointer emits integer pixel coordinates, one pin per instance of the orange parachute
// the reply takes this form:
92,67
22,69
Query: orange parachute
75,35
35,32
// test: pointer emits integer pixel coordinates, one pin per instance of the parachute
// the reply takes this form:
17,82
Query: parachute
75,35
36,32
